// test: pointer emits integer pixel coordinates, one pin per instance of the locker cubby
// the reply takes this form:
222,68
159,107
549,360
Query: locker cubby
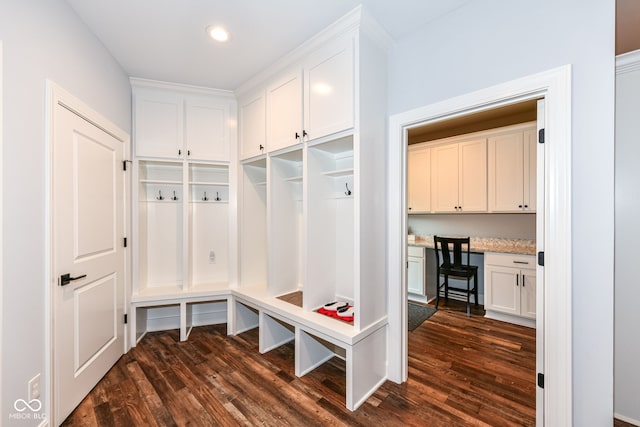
286,247
330,224
160,228
253,224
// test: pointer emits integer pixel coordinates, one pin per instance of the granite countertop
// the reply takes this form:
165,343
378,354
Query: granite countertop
488,244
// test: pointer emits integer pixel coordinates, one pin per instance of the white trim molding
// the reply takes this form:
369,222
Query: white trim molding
1,222
554,86
628,62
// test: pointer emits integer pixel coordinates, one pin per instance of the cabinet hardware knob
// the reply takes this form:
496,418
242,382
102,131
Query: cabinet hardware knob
517,280
188,152
304,133
297,135
261,147
526,206
179,152
523,280
520,206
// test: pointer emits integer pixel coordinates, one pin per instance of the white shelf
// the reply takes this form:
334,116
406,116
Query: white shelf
210,201
261,184
218,184
338,173
160,181
294,179
166,200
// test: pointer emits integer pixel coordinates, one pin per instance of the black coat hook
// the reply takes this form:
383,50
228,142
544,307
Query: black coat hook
205,198
174,196
217,197
348,192
159,196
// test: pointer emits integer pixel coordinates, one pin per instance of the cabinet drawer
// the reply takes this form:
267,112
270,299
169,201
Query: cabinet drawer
415,251
510,260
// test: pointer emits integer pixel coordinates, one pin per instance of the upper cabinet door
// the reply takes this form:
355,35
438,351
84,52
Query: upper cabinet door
506,178
472,195
158,130
252,112
444,178
206,129
284,111
419,179
329,90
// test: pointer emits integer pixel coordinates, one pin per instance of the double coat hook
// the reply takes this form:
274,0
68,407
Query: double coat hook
348,192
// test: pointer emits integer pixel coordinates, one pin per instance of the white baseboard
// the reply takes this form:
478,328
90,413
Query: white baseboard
503,317
626,419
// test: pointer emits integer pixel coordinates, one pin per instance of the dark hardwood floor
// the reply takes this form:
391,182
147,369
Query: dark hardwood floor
462,371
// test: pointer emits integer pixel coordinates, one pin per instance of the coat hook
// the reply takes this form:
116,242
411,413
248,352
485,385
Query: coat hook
159,196
348,192
205,198
217,197
174,196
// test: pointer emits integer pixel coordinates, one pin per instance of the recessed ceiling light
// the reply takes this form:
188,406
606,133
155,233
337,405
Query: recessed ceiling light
219,34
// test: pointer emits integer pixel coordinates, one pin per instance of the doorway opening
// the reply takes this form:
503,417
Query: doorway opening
553,240
498,166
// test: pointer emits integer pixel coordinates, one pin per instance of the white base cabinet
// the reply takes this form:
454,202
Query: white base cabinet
510,288
416,271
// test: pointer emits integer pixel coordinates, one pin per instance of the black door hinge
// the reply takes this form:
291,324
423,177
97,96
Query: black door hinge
541,136
125,242
124,164
541,259
540,380
126,319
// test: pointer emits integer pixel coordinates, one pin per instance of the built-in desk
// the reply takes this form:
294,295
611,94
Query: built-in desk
507,290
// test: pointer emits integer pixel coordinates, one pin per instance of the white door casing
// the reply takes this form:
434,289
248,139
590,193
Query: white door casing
553,219
87,210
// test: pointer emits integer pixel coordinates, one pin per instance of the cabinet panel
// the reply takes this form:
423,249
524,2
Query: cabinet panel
329,90
284,111
473,176
528,294
530,169
415,275
252,125
502,290
419,180
444,178
158,124
206,130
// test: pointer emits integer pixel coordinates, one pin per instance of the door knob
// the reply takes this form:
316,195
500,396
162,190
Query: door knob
65,279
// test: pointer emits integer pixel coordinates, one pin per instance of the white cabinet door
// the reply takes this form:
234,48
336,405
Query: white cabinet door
419,179
252,111
444,178
472,195
502,289
415,275
206,129
506,177
530,169
329,90
284,111
528,293
158,130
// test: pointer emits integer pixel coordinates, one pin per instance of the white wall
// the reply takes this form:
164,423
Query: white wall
489,42
627,236
42,39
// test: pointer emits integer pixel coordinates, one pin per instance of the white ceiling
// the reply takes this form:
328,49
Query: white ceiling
166,40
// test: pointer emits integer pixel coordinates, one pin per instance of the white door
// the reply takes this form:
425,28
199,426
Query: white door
88,215
502,289
158,124
419,179
444,178
506,177
252,112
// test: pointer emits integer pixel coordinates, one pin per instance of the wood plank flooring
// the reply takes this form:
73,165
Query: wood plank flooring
462,371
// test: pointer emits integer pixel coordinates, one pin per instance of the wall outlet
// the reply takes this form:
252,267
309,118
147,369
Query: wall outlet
212,257
34,388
